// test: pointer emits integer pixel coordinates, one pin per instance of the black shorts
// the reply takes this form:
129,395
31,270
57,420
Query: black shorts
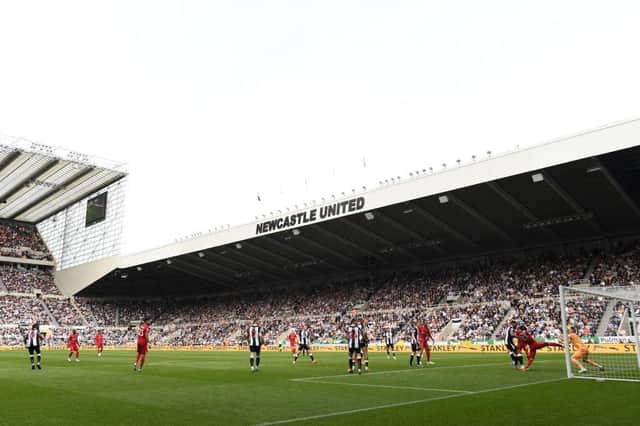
34,349
255,349
415,347
511,347
353,351
303,347
389,345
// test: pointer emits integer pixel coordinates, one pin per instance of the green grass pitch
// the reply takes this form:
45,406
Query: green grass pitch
187,388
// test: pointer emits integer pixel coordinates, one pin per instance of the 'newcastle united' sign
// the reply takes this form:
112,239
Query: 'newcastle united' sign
309,216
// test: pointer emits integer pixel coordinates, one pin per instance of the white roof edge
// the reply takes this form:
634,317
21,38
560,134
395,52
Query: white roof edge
588,143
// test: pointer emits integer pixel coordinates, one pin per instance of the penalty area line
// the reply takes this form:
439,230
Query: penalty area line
387,386
405,370
402,404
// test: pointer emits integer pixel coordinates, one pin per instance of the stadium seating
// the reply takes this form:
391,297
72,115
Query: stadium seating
20,240
462,303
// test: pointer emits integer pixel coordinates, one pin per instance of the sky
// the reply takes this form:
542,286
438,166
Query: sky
211,103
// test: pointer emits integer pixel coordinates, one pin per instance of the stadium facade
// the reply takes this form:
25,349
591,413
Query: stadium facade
574,190
58,190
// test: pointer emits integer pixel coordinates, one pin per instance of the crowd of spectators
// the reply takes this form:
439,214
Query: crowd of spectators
474,298
16,310
27,279
22,240
63,311
618,268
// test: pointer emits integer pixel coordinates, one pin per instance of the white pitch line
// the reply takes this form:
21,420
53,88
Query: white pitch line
387,386
401,404
493,364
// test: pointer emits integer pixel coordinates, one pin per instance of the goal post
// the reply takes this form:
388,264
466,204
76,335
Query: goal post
605,319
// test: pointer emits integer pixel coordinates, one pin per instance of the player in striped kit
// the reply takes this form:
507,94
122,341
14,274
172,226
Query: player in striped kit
32,341
366,337
255,341
388,341
304,345
514,352
354,343
415,347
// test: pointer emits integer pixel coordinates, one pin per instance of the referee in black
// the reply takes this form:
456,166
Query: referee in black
32,342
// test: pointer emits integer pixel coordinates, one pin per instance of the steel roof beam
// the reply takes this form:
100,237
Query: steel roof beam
445,227
244,267
480,218
518,206
53,191
280,273
349,243
289,249
402,228
204,273
84,195
570,200
30,178
375,236
9,159
617,187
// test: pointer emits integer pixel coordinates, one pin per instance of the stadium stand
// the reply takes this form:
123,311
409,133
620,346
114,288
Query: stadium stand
526,288
23,241
482,248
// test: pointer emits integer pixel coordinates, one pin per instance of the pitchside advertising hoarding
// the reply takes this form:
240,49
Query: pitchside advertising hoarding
315,214
601,348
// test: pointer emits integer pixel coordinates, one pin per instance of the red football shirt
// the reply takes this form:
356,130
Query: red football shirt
292,338
143,333
73,339
99,340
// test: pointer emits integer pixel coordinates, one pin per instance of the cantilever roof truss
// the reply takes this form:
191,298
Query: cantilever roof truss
35,186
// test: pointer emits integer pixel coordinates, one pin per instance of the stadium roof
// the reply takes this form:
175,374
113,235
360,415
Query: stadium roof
39,181
579,188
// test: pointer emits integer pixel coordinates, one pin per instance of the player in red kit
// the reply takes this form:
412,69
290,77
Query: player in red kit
143,344
74,346
293,343
529,344
424,335
100,343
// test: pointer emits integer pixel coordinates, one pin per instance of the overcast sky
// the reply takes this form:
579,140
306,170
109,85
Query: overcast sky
210,103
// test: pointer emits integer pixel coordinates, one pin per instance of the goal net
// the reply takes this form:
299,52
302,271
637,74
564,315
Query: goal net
600,331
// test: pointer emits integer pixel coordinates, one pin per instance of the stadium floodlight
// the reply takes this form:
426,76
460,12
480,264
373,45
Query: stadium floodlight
201,254
238,246
139,268
369,215
295,232
604,321
443,199
537,177
168,261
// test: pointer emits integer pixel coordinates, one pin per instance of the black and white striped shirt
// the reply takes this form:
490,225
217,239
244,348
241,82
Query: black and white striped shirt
303,338
354,337
388,338
254,335
33,338
509,335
